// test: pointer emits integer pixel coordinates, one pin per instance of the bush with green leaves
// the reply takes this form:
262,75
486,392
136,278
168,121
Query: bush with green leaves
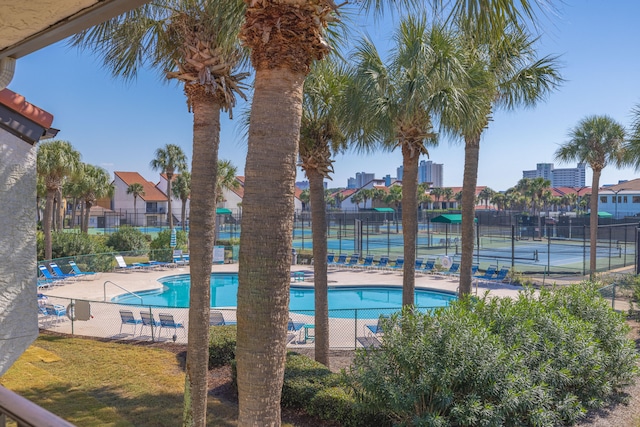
222,345
161,249
128,239
70,244
541,359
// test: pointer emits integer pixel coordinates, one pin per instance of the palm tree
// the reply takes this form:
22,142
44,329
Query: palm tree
56,161
503,73
182,190
395,198
169,159
447,194
437,193
226,179
356,199
499,200
597,141
285,37
136,189
485,195
401,98
95,183
195,43
321,134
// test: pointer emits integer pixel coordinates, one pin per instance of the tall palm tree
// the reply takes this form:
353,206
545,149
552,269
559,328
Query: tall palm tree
194,43
503,73
447,194
402,98
485,195
437,193
597,141
321,134
56,160
95,183
136,189
169,159
394,198
285,37
182,190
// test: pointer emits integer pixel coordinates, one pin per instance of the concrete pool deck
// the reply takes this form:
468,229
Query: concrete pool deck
105,321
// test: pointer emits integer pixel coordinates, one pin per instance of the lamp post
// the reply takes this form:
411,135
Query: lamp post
578,190
616,201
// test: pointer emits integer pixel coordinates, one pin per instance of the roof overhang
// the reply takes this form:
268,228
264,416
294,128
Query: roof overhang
450,219
26,26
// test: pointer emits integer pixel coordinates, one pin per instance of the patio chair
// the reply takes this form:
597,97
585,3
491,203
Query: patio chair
76,270
167,321
474,269
126,318
353,261
399,263
148,321
48,277
342,260
488,274
368,262
59,273
383,264
419,262
55,312
216,318
429,265
501,276
453,270
331,258
295,329
122,265
377,329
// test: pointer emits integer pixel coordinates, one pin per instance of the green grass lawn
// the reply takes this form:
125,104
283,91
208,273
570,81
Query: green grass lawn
94,383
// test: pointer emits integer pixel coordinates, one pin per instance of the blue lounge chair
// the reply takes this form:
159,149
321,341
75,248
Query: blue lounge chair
429,266
216,318
353,261
383,264
167,321
474,269
368,262
59,273
488,274
453,270
55,312
342,260
126,318
501,276
148,321
419,262
48,277
331,258
399,263
377,329
76,270
294,329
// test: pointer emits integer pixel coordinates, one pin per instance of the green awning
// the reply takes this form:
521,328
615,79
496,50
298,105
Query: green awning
384,210
450,219
223,211
603,215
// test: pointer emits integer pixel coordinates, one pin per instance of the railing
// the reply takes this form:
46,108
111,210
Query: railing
25,413
118,286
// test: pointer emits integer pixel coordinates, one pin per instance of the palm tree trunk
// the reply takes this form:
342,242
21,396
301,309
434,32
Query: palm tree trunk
469,182
265,244
87,215
409,223
593,221
204,169
169,178
319,236
135,211
59,211
48,212
183,215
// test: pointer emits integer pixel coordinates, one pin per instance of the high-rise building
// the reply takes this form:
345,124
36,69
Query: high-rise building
564,177
351,183
362,178
430,172
400,172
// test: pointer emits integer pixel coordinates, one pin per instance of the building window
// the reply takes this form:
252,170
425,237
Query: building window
635,199
152,207
624,199
603,199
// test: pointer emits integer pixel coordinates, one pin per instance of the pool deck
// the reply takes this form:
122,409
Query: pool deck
105,318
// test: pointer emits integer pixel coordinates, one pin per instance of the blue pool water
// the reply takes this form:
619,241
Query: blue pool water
343,301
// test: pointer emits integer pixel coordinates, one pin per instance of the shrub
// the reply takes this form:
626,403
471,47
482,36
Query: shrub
128,239
163,240
222,345
538,360
303,379
69,244
338,404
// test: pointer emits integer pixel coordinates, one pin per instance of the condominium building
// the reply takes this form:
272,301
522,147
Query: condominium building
428,171
563,177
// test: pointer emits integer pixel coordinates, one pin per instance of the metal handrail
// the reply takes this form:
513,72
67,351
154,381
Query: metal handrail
116,285
26,413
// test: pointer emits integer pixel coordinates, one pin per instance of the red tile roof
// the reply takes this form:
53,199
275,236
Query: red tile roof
151,192
18,104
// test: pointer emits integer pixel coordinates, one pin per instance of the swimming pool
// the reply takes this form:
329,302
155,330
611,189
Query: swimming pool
343,300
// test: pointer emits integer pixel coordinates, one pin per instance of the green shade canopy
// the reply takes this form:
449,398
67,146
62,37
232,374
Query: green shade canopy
383,210
603,215
223,211
450,219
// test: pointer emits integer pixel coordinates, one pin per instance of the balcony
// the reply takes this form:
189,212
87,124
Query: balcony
25,413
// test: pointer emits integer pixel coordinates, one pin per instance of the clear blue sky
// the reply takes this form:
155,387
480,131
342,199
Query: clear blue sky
119,125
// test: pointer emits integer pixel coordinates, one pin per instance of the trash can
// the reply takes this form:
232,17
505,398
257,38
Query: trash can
294,256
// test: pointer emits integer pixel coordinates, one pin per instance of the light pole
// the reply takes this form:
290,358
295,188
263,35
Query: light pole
616,200
578,190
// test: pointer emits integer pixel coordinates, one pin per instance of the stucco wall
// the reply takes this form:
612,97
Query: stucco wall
18,304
